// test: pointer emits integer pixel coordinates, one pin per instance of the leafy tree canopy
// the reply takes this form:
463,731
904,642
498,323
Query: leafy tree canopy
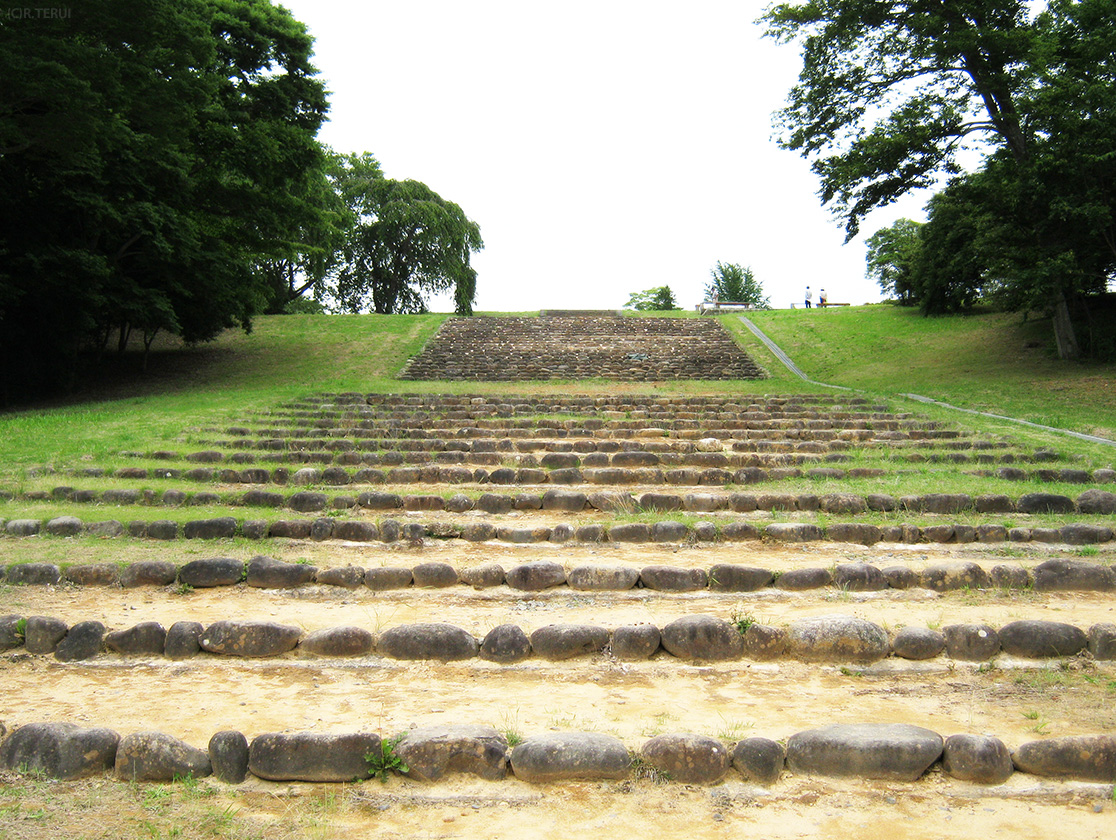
732,283
892,255
151,151
890,93
402,241
658,299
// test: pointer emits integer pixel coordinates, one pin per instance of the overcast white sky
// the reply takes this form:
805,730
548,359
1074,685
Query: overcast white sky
603,147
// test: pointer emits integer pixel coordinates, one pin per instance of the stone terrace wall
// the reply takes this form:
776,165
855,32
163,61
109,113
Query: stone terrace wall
563,347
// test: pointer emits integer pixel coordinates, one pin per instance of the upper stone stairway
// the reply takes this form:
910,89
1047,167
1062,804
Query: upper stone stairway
577,347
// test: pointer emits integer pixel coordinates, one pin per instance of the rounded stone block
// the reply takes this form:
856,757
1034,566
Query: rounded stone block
892,752
688,758
484,576
633,642
228,756
212,571
434,575
565,641
602,578
148,637
673,578
971,642
438,641
59,750
433,752
506,643
918,643
1085,757
837,638
251,639
182,640
158,757
702,637
268,573
977,758
1040,639
312,756
338,641
535,576
759,760
586,756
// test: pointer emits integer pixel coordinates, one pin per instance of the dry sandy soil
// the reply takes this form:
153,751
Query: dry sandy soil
1015,700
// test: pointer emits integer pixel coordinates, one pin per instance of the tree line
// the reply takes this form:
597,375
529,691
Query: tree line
896,95
160,172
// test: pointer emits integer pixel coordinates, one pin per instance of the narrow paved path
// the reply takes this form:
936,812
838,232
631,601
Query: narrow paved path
793,368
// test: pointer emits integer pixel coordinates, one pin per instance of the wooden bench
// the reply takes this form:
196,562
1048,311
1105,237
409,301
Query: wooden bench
717,306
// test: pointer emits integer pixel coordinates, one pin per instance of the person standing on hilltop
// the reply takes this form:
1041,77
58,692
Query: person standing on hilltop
821,297
809,297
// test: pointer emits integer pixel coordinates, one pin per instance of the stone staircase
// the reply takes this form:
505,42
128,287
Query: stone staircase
567,346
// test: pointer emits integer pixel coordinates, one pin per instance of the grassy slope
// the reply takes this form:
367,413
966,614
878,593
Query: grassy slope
992,363
979,362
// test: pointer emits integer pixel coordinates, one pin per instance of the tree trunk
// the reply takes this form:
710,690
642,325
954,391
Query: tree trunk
1064,335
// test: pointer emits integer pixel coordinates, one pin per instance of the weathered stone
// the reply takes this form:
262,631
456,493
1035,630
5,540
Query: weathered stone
994,503
939,503
594,578
268,573
291,529
918,643
672,578
971,642
669,532
312,756
147,637
1080,533
1086,757
522,536
356,531
1073,576
63,526
561,756
565,641
938,533
1045,503
630,532
842,503
881,502
478,532
307,501
262,498
1102,641
33,574
977,758
793,532
157,757
434,575
212,571
321,528
837,638
228,756
777,501
566,501
991,533
901,577
764,642
660,502
1039,639
59,750
740,531
1046,535
182,640
346,577
93,574
41,634
249,638
687,758
380,501
443,642
433,751
338,641
424,502
83,640
485,576
893,752
799,580
1097,502
106,529
759,760
632,642
859,577
506,643
743,502
729,577
590,533
702,637
12,628
535,576
220,528
943,577
23,527
861,533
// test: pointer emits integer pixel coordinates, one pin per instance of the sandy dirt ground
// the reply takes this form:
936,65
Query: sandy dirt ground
1015,700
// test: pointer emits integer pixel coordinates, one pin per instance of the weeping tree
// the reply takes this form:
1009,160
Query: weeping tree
404,242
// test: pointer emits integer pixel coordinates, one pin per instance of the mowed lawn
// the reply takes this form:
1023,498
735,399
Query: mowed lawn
987,362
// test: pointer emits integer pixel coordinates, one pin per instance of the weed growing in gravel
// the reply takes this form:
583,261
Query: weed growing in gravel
509,728
1087,551
642,769
733,729
382,764
741,620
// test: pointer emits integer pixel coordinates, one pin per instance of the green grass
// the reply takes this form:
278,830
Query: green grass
980,362
986,362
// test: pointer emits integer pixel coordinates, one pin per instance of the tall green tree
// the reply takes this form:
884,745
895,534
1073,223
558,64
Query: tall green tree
404,242
734,283
151,151
892,256
892,90
657,299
